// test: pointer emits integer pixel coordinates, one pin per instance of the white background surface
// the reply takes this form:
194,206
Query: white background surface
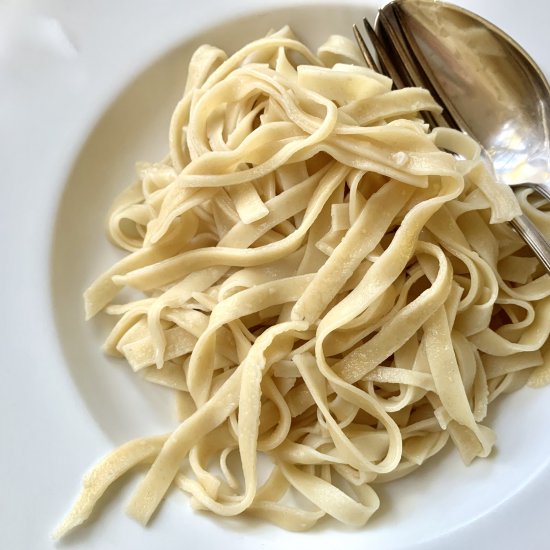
62,64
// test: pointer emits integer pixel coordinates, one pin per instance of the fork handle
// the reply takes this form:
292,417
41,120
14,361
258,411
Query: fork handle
528,231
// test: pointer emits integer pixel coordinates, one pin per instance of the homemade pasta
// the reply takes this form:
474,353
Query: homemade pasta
331,293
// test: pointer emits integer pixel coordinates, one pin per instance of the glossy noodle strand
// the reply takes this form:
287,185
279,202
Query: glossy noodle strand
328,287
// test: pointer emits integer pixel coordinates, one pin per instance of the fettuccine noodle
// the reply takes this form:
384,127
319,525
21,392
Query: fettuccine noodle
325,286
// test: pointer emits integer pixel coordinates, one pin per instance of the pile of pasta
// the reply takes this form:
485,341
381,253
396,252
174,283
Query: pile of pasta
329,287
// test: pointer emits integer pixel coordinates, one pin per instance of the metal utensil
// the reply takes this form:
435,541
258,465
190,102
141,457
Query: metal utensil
489,88
488,84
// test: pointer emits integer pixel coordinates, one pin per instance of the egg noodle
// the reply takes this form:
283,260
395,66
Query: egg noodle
326,287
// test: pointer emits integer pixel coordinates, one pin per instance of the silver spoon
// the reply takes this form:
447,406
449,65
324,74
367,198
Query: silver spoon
488,85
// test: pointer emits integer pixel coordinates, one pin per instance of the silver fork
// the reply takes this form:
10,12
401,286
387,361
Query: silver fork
522,224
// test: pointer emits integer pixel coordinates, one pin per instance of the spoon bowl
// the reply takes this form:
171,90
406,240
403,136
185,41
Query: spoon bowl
487,84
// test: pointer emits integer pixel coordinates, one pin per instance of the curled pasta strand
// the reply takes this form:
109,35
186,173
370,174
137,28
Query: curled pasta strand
328,291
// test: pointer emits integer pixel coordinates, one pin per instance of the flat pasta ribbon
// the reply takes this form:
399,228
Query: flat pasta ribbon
328,288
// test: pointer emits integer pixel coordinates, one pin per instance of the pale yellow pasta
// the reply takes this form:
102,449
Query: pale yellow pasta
325,286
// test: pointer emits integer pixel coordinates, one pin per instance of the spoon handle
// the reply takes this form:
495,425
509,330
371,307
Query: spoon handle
534,238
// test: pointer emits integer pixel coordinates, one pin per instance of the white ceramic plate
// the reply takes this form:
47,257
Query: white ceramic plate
86,90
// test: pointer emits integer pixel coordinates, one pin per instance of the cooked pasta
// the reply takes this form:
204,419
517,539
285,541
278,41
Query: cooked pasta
328,287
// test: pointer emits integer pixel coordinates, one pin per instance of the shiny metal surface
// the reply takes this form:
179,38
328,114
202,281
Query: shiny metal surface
489,86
